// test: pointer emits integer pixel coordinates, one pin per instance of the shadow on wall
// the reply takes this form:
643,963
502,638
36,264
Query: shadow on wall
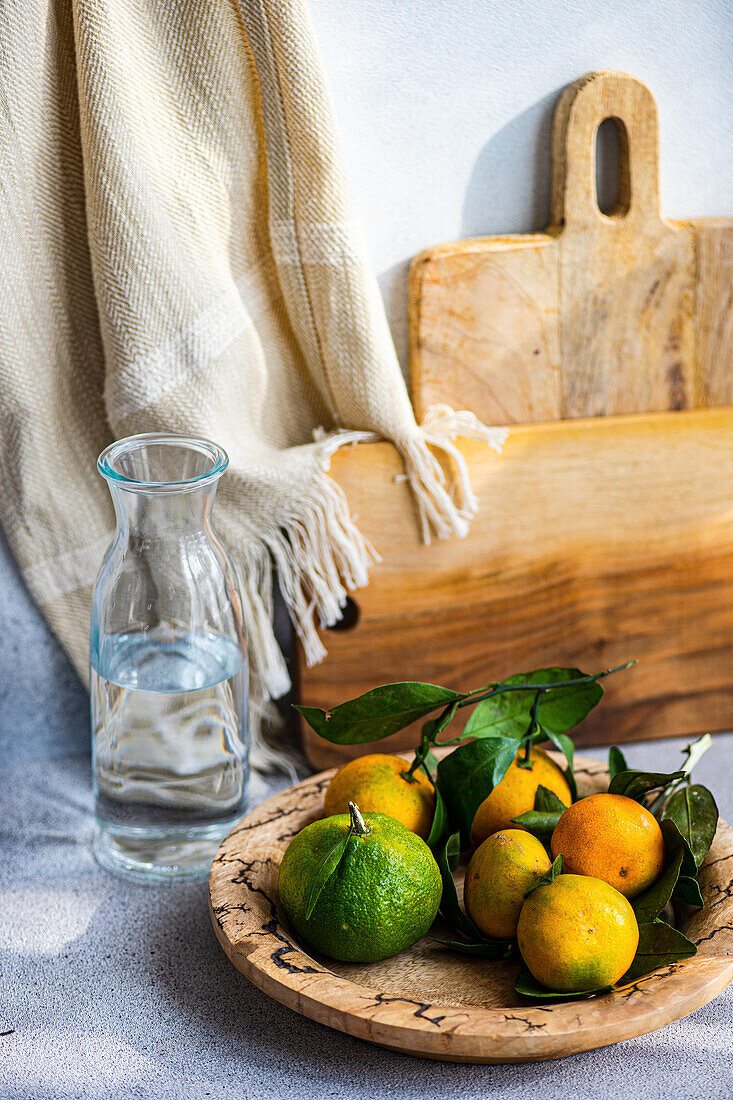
510,185
508,192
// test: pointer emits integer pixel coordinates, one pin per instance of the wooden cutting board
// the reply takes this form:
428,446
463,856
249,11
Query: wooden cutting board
601,315
605,528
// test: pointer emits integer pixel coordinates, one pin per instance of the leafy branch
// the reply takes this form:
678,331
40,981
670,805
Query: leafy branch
517,684
508,716
392,707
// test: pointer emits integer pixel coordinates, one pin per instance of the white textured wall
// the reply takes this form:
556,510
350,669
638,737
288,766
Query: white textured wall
444,109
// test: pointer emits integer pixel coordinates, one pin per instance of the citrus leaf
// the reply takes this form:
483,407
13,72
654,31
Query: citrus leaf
324,870
446,857
500,716
539,824
649,904
541,821
637,784
507,714
694,812
439,827
484,949
547,801
561,710
659,944
528,986
469,774
562,742
688,889
535,821
616,762
378,713
548,878
430,765
453,851
673,838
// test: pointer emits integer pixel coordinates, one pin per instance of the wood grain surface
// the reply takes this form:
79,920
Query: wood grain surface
485,329
714,311
602,314
605,528
596,541
434,1003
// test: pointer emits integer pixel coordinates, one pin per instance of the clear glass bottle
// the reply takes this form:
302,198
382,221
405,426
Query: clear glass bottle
168,664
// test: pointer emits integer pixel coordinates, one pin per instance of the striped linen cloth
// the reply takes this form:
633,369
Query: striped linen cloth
178,254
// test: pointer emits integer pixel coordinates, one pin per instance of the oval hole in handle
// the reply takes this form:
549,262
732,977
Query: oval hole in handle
613,177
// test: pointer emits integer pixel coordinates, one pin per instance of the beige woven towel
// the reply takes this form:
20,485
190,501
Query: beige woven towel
178,254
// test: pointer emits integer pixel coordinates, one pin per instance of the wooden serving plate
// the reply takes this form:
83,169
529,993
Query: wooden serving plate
432,1002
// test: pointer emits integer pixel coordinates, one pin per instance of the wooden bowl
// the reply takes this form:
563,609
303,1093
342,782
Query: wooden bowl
432,1002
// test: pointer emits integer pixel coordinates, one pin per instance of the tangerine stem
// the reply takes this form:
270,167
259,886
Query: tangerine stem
358,824
525,762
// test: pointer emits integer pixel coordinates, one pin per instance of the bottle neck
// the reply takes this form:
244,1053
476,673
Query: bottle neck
163,516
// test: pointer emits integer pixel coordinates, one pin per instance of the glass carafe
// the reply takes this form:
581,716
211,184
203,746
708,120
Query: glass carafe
168,664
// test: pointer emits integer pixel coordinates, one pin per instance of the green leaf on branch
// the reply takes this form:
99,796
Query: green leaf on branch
483,949
541,821
688,889
694,812
428,728
616,762
530,987
439,827
562,742
504,715
649,904
548,878
452,851
469,774
674,839
562,709
539,824
430,765
558,711
508,714
547,801
325,869
637,784
447,857
378,713
659,945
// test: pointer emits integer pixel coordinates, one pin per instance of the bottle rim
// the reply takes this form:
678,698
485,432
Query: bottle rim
108,462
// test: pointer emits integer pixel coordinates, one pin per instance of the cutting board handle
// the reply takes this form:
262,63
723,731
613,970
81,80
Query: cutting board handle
583,106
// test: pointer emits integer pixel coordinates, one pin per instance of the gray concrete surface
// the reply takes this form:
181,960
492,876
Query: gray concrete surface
43,706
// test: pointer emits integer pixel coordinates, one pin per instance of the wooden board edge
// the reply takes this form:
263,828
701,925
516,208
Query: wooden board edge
419,268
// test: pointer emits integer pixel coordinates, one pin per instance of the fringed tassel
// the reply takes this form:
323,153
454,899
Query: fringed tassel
436,500
320,555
